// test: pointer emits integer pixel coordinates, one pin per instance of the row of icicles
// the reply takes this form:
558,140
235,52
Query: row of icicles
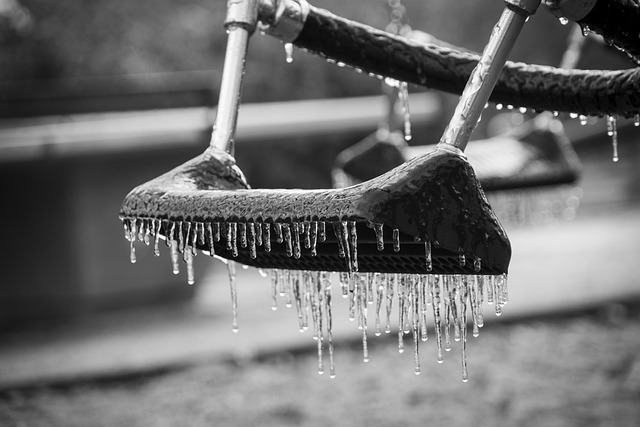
448,297
403,94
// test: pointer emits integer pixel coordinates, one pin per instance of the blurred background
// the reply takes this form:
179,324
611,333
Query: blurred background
98,97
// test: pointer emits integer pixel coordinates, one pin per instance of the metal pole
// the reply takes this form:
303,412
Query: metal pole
484,77
242,16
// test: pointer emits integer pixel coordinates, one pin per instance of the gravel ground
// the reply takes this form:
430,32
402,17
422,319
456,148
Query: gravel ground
582,370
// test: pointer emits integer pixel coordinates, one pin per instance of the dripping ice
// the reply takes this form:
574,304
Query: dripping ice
443,303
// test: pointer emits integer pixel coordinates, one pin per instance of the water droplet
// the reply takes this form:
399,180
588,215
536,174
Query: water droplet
563,20
499,107
477,265
636,120
573,115
586,30
231,267
583,119
522,110
288,52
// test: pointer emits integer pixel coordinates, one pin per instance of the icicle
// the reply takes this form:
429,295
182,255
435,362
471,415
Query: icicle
480,301
446,293
379,229
415,289
140,228
258,230
282,280
401,304
231,238
297,252
337,229
396,240
435,299
612,131
423,292
216,232
371,279
322,231
190,271
344,283
477,265
180,237
636,120
212,250
278,230
428,260
462,260
156,238
463,326
306,232
251,237
231,267
194,239
171,235
352,297
266,236
132,242
353,245
326,278
403,94
490,286
174,257
146,232
313,237
298,299
289,285
379,299
288,52
275,273
183,244
286,233
390,289
362,303
242,231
